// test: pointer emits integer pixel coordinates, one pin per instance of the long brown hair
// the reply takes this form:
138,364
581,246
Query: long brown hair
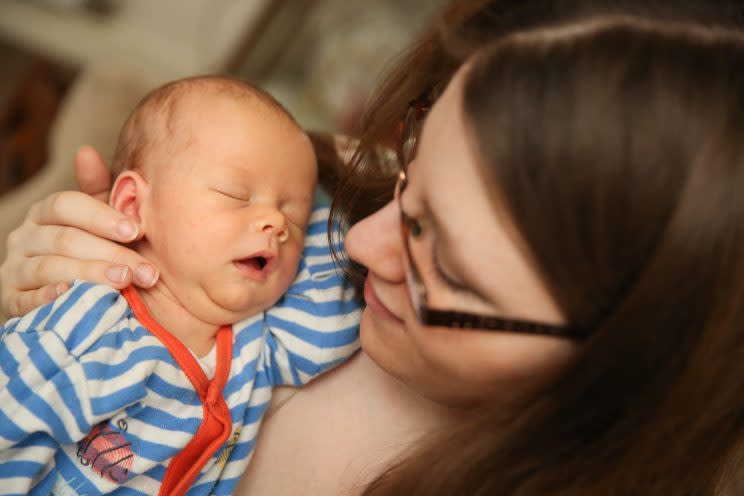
617,147
363,184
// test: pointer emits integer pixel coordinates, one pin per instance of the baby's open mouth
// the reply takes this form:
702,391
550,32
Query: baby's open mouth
257,266
259,262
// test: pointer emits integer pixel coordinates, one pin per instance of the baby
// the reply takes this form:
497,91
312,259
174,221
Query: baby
160,391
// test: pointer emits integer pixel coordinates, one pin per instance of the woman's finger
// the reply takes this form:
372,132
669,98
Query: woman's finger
36,272
36,280
75,243
93,176
81,247
72,208
25,301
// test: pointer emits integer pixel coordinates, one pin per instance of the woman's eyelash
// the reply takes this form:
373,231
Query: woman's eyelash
442,275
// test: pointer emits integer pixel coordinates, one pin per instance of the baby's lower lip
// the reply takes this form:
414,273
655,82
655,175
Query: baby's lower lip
251,271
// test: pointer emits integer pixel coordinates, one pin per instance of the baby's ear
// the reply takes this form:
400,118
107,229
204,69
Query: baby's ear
129,193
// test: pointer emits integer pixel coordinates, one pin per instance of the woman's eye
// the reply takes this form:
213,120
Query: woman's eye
414,227
443,276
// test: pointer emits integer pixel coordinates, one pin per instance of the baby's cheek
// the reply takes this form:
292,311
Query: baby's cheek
297,250
292,255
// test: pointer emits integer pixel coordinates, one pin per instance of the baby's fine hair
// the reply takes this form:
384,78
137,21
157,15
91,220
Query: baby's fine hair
154,117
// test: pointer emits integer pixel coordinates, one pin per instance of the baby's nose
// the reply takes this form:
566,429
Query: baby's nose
271,221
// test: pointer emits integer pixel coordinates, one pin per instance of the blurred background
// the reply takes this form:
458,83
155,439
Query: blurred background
72,70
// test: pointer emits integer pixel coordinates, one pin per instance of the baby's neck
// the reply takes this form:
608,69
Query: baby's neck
195,334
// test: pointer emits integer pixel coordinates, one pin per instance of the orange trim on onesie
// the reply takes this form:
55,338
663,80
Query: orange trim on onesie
216,423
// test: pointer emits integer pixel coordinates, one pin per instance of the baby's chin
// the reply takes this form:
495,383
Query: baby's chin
236,302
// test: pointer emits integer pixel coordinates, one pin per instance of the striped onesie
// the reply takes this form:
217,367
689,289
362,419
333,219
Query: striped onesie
96,397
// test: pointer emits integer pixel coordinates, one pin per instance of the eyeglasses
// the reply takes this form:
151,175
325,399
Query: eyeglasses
412,228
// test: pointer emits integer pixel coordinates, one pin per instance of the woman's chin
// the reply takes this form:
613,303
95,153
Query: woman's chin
387,347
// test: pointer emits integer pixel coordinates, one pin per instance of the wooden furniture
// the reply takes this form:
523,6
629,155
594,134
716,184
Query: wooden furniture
30,93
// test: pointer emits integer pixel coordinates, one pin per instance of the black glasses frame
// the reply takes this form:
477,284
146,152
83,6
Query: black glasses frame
412,228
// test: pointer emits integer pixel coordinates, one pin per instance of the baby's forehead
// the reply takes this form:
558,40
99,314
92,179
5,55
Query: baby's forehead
210,103
199,117
180,110
203,90
172,116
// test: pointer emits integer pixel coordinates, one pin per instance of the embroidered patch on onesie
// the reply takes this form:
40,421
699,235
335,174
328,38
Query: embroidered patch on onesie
108,452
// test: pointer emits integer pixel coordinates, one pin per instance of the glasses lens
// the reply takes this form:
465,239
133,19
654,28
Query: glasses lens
413,289
411,129
412,281
410,136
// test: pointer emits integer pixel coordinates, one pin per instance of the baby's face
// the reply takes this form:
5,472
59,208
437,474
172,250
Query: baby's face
229,206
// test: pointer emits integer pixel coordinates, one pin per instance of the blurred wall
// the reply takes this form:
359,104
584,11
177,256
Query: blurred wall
167,37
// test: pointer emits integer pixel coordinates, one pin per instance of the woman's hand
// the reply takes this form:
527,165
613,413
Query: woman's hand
71,235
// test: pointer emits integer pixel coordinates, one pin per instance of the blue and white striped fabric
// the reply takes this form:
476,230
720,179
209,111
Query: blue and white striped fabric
85,363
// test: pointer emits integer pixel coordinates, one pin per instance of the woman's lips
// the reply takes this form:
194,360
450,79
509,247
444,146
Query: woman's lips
374,304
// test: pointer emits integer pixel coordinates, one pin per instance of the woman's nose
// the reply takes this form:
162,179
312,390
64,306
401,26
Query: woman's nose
376,243
271,221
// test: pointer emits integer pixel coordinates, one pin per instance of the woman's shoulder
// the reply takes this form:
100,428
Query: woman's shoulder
336,433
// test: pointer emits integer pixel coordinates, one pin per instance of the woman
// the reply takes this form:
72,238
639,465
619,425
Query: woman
511,211
614,208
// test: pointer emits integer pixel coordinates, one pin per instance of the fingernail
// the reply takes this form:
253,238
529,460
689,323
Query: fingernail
61,288
51,293
117,274
145,275
127,229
